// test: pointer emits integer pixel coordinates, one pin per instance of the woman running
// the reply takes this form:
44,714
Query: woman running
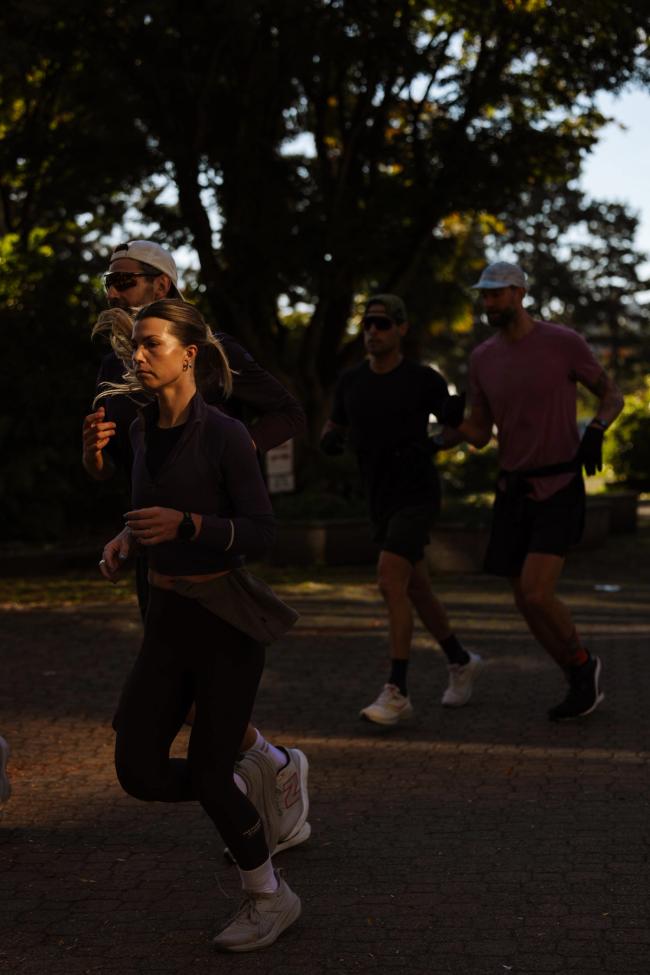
199,506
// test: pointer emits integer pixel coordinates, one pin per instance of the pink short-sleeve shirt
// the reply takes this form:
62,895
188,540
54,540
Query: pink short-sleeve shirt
528,388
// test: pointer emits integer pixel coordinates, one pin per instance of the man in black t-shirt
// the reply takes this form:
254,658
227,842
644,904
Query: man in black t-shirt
140,272
383,406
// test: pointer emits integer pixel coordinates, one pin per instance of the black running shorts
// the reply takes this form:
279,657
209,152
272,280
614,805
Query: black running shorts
521,526
406,532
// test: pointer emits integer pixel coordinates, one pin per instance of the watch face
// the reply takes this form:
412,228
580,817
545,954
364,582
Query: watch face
186,528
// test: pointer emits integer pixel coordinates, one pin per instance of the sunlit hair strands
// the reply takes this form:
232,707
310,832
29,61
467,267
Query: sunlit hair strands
186,325
117,326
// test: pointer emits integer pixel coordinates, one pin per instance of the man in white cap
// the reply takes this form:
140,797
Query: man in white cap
140,272
523,381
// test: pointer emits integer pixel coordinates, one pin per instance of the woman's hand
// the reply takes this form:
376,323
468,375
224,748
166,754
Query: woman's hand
95,435
150,526
116,554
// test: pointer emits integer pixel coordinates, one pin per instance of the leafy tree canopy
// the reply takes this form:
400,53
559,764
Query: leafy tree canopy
310,152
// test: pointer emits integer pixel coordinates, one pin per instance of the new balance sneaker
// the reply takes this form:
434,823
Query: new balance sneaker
461,681
260,919
5,785
584,694
391,707
293,800
258,772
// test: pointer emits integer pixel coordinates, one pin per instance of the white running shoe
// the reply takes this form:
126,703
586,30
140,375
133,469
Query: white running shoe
258,772
260,919
461,681
292,797
293,800
390,707
5,785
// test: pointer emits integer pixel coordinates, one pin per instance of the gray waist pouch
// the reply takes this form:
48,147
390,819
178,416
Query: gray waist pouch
244,601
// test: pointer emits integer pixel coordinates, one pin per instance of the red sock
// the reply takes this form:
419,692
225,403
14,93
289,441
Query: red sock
575,652
580,657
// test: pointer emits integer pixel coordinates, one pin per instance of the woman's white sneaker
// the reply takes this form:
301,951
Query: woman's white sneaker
293,800
260,919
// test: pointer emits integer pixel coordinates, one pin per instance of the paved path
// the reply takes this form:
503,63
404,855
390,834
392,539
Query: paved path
481,841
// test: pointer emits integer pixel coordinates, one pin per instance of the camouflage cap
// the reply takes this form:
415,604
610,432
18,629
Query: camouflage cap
393,305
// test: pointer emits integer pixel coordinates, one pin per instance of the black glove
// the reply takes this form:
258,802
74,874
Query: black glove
333,442
453,411
590,451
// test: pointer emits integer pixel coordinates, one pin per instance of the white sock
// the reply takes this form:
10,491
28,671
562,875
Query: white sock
277,755
261,880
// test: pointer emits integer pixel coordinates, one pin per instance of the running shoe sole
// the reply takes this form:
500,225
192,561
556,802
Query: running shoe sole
387,722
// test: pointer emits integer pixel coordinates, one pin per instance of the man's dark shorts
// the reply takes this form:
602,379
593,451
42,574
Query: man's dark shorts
406,532
521,526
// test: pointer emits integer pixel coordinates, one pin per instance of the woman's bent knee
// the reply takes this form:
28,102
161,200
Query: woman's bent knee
137,784
137,778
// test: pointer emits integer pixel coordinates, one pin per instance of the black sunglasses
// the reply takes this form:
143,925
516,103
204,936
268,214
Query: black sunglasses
123,280
381,323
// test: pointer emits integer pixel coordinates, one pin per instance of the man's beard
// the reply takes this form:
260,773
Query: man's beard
124,305
501,319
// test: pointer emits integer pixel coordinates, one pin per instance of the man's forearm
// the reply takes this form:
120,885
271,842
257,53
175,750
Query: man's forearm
610,398
467,432
276,428
610,405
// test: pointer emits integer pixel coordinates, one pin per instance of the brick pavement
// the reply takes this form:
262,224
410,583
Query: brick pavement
475,842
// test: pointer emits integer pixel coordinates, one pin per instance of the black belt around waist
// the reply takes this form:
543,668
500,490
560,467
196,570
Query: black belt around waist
517,482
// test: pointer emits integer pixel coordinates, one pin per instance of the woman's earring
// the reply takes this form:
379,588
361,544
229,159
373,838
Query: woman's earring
186,366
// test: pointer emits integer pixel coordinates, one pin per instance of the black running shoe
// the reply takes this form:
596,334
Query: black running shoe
584,692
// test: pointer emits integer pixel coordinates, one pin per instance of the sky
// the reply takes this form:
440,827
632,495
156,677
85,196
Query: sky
618,169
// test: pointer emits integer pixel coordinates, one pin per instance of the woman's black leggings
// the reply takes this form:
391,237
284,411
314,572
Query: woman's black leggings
188,654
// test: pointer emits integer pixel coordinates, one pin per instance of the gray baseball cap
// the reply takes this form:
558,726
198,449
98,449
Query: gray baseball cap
501,274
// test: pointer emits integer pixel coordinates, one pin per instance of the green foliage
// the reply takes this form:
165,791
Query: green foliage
584,271
418,129
466,471
71,588
627,444
49,375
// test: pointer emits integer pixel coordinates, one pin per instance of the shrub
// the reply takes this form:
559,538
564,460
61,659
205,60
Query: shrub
466,471
627,445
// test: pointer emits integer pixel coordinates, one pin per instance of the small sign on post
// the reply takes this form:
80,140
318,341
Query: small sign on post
280,476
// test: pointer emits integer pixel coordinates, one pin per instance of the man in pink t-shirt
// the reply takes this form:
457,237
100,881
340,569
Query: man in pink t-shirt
523,382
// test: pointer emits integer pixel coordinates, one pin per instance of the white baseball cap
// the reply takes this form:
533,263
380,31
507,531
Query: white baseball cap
147,252
501,274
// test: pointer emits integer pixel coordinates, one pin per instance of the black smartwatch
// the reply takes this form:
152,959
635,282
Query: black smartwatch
187,528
